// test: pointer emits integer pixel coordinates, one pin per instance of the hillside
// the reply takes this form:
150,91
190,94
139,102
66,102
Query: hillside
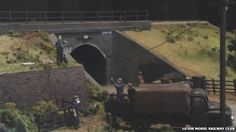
33,47
194,52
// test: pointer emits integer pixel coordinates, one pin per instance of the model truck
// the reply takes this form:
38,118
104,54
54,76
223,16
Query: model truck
173,103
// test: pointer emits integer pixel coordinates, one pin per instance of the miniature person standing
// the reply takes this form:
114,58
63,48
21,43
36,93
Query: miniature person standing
119,88
131,92
60,44
140,77
76,110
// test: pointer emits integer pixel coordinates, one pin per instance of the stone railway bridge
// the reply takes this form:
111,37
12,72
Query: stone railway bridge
103,50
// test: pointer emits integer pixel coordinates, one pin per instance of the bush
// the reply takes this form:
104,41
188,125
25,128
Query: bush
93,90
22,55
42,107
12,120
102,96
49,48
43,35
90,110
21,125
8,114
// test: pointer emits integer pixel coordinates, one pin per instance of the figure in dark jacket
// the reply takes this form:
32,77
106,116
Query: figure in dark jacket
73,110
131,92
76,106
119,88
60,44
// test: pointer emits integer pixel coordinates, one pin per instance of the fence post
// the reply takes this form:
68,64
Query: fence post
234,81
10,16
213,86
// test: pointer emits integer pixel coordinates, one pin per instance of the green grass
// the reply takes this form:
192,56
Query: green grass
16,48
194,52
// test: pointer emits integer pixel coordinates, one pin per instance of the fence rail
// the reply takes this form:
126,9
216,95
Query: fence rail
46,16
214,86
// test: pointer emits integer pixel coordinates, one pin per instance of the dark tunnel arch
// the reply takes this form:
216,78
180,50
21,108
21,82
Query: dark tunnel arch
94,61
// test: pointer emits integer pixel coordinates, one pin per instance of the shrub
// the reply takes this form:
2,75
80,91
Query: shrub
49,48
102,96
43,35
90,110
21,125
22,55
8,114
93,90
13,120
43,106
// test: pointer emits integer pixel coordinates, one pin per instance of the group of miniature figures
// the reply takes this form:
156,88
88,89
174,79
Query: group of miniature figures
119,85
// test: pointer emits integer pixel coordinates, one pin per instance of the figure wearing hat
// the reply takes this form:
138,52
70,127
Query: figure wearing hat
76,110
73,108
119,88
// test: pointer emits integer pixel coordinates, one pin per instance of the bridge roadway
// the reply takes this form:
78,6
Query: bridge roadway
74,26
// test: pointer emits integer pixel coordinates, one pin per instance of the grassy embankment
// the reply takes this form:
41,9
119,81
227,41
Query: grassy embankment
194,52
16,48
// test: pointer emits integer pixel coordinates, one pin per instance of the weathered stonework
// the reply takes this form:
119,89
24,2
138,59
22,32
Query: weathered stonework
27,87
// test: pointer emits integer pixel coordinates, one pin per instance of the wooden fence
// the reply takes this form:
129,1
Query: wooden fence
214,86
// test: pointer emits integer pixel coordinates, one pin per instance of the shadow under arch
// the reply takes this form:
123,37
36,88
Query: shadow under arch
93,59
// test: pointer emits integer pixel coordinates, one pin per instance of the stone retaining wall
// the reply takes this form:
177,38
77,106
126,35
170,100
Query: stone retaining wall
27,87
